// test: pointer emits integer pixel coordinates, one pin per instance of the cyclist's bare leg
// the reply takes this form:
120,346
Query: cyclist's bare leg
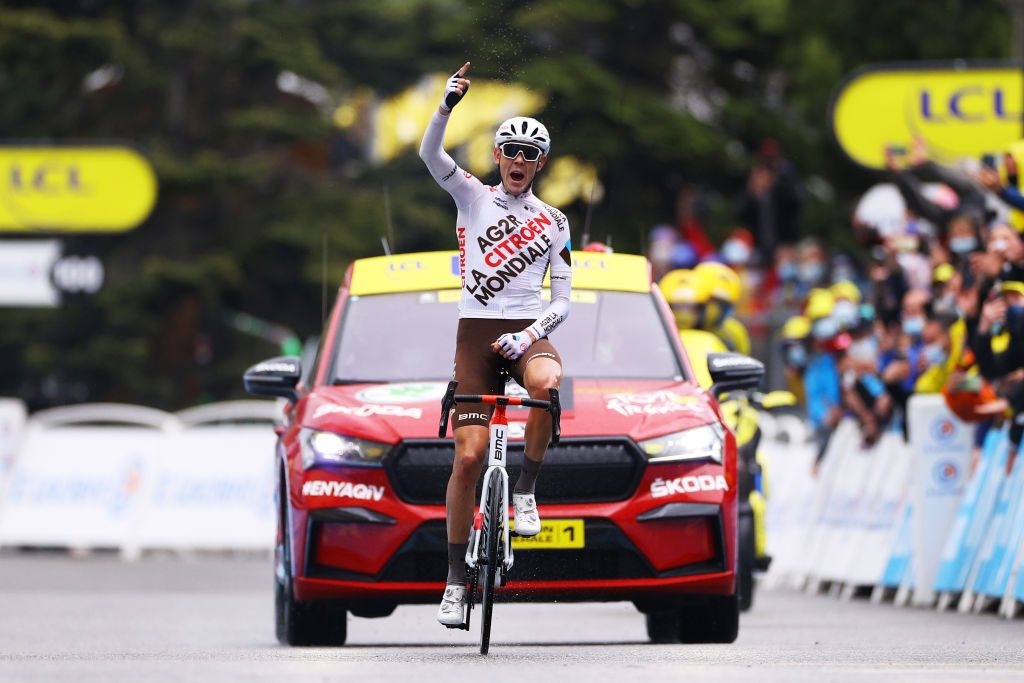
541,373
470,456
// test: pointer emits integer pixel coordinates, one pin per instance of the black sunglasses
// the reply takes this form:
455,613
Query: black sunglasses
510,150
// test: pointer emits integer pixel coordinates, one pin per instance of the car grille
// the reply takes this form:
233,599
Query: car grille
575,471
424,556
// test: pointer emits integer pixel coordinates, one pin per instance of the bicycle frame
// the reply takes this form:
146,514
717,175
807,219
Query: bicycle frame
497,446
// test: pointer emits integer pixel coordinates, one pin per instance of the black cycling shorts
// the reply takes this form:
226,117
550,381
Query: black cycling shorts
478,368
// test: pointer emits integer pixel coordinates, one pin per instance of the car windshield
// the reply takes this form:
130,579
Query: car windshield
411,336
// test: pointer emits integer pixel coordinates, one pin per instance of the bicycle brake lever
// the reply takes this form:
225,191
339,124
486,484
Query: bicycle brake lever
446,405
556,417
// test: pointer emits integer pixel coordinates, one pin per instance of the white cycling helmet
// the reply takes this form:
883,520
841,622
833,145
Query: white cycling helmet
523,129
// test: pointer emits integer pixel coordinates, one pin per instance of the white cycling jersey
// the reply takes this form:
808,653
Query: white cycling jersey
506,243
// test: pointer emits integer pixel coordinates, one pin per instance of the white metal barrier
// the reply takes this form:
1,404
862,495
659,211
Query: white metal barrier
12,426
898,515
134,478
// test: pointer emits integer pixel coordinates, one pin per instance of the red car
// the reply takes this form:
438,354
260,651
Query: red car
638,499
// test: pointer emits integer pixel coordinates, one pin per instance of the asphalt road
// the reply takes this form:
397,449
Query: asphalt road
210,619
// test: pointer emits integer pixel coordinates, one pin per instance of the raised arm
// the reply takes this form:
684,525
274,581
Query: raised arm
459,184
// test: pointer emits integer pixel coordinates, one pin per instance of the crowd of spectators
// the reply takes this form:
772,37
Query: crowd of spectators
932,303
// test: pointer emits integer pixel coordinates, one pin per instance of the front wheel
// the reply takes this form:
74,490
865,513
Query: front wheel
492,530
307,623
662,626
297,622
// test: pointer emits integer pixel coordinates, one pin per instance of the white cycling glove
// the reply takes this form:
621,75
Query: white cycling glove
514,345
452,96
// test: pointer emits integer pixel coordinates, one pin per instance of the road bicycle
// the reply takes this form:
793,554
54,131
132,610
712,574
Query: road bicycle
489,557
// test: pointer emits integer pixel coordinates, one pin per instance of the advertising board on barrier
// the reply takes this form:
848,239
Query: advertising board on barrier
901,555
211,488
145,479
77,487
1003,538
965,536
941,446
960,111
878,511
789,507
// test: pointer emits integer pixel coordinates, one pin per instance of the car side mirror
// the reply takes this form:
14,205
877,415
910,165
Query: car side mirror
274,377
733,372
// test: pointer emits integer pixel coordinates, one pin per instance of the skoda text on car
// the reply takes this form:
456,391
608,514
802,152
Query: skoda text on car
638,499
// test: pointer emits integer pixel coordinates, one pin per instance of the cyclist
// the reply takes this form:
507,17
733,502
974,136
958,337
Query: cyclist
508,239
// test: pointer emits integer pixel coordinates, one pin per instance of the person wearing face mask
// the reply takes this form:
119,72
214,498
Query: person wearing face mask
795,342
864,393
821,377
937,360
900,366
847,307
943,290
812,263
738,248
964,237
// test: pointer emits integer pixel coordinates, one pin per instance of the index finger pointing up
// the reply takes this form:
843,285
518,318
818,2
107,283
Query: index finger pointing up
462,72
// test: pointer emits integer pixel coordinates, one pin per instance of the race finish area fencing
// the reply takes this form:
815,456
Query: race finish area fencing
134,479
902,521
907,521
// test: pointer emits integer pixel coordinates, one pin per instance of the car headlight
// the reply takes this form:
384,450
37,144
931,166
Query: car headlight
706,441
330,448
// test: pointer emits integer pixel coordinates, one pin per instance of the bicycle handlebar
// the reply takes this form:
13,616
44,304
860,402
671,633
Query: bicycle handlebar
553,406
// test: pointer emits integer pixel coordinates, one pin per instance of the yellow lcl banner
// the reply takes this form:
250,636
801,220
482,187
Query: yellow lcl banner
959,112
74,189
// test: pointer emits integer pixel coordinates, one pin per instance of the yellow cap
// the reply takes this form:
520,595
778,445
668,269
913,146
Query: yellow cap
683,287
797,327
820,303
943,272
845,289
1013,286
721,281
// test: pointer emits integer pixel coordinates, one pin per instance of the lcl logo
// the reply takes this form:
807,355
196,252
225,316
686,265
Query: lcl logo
49,177
971,104
405,265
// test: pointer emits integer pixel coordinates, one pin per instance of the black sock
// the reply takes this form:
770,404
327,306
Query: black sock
527,476
457,563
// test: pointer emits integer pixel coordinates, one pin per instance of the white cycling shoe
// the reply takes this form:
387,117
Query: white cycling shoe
526,516
452,611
